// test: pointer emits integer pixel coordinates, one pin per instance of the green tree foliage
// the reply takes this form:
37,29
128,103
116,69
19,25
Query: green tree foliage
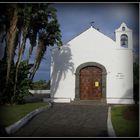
23,82
45,25
19,22
6,93
40,85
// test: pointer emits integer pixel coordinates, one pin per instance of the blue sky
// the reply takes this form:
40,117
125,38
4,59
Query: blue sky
75,18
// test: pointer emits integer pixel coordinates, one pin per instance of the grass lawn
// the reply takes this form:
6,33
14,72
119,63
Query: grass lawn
125,120
9,114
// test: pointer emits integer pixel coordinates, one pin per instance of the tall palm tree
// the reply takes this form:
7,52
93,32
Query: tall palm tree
48,31
38,23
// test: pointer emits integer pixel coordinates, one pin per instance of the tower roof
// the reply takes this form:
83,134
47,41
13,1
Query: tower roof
122,27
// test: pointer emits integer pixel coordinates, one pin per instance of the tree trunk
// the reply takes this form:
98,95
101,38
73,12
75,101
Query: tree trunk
30,53
21,51
23,44
11,42
39,55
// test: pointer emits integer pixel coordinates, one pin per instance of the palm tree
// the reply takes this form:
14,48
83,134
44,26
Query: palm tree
38,23
47,27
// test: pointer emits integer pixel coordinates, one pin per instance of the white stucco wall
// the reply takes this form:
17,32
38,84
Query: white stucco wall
93,46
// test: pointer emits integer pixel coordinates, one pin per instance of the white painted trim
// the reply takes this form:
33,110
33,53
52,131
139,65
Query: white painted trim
61,100
120,101
110,128
39,91
57,100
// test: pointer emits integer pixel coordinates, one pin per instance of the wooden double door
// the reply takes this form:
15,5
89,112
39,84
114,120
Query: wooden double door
90,83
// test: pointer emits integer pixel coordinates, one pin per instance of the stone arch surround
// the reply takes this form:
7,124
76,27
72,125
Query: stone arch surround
77,79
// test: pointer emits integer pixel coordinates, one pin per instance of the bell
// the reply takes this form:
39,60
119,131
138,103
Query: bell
123,43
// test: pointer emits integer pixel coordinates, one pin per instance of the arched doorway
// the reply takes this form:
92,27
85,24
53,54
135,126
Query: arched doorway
90,81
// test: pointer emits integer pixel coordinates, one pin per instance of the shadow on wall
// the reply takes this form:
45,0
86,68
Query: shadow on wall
62,63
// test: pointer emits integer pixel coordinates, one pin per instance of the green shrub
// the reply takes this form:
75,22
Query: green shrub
40,85
23,84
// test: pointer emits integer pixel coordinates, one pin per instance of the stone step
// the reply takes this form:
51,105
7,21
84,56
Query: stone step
89,102
57,100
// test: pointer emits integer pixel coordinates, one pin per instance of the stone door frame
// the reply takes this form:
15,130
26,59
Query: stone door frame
77,79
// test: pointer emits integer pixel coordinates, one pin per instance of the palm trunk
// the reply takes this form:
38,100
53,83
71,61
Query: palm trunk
21,51
30,53
11,42
22,47
39,55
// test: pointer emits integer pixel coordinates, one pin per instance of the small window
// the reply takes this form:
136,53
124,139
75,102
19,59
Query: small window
123,28
124,40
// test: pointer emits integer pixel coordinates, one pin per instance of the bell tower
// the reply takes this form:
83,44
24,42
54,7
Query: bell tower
124,36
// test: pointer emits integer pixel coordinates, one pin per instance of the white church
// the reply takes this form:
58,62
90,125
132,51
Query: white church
92,66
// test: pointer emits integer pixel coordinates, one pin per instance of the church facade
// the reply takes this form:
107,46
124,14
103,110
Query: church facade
92,66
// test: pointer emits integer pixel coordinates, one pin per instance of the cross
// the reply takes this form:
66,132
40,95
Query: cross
92,23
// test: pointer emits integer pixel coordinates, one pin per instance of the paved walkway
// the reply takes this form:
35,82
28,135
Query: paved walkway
68,120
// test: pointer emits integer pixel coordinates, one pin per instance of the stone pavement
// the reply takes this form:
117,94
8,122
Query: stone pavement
68,120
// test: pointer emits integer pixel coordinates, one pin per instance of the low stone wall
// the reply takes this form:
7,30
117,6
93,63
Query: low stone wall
37,95
39,91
